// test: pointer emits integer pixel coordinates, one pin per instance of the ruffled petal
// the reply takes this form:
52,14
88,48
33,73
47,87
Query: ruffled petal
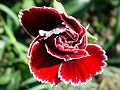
96,51
83,43
38,38
72,23
39,18
67,56
57,54
43,66
74,72
83,67
95,62
79,54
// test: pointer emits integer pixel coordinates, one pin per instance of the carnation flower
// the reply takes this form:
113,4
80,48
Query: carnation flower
60,51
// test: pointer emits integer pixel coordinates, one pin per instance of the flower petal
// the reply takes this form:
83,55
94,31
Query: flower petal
95,62
79,54
57,54
83,43
83,67
96,51
72,23
43,66
74,72
39,18
67,56
38,38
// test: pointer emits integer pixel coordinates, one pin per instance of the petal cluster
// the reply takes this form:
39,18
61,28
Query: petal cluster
60,51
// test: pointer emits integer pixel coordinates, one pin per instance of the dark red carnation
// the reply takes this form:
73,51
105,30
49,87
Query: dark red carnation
60,51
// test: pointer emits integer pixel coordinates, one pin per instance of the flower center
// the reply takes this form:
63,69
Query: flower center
65,41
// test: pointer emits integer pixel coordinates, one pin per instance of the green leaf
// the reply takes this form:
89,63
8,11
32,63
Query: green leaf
10,62
5,78
23,47
28,81
15,81
74,6
58,6
90,38
14,41
28,4
41,87
11,24
10,13
5,39
113,60
1,30
2,48
17,6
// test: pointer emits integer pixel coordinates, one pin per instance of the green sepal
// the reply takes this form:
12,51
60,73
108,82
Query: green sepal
58,6
90,37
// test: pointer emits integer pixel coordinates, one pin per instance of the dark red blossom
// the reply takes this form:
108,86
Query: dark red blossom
60,51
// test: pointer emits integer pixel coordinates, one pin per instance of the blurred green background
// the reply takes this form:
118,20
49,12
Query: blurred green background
104,19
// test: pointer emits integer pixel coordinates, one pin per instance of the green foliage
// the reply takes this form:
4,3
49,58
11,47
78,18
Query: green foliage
76,6
2,48
5,77
10,13
58,6
14,81
14,71
28,4
91,38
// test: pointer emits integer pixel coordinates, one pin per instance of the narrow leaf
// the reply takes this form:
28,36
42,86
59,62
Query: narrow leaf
40,87
10,13
28,4
2,48
15,81
5,78
28,81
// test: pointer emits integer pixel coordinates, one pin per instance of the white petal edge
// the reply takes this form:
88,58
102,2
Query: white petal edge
106,58
39,79
70,81
103,61
99,72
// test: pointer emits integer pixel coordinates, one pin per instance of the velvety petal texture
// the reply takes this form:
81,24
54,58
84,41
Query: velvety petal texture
43,66
95,61
36,19
84,67
60,50
72,23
